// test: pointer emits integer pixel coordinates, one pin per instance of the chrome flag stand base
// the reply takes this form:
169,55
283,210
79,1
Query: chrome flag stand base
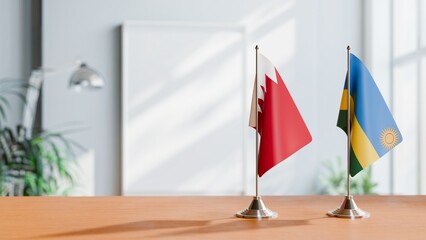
257,209
348,209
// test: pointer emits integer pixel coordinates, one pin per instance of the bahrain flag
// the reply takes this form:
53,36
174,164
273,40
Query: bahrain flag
280,126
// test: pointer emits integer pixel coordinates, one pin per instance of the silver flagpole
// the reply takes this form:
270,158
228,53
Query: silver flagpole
257,123
257,208
348,209
348,129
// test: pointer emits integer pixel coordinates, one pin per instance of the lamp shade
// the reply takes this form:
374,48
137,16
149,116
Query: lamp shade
86,77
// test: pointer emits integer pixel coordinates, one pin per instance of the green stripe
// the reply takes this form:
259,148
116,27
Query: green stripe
355,165
342,120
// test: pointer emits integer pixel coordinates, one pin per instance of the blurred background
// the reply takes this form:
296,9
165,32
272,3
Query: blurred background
172,115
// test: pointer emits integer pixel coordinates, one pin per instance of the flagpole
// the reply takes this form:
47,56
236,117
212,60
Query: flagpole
348,209
257,124
349,133
257,208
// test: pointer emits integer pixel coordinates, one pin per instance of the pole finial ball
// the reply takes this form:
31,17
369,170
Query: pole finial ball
349,48
257,47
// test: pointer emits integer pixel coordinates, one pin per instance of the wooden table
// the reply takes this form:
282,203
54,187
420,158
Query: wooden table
392,217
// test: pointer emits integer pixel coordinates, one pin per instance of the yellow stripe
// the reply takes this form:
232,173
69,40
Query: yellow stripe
362,146
344,102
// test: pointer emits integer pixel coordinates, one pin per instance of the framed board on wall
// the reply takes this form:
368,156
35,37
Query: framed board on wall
183,109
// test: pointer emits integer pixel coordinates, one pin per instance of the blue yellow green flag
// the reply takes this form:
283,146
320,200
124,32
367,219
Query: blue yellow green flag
374,131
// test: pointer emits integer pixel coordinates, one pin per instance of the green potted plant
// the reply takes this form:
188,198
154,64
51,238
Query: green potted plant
333,180
38,165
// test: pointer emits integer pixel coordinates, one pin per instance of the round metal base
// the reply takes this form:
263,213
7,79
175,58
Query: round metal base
257,209
348,209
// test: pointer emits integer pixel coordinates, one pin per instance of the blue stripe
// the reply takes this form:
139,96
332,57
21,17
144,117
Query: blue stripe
370,108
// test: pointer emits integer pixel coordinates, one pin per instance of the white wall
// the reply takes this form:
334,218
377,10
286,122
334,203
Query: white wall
395,57
340,23
15,47
305,39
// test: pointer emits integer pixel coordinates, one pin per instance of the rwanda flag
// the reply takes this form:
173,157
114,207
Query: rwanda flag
374,131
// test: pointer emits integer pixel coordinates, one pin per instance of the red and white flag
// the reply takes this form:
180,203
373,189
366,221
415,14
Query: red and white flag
281,127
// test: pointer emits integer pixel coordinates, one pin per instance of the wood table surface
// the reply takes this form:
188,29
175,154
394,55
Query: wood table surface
300,217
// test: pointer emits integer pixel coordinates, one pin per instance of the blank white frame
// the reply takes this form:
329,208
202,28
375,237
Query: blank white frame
141,26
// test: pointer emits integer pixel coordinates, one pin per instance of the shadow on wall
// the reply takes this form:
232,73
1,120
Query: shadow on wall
187,106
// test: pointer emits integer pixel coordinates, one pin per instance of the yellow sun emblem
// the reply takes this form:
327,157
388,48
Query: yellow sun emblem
389,138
